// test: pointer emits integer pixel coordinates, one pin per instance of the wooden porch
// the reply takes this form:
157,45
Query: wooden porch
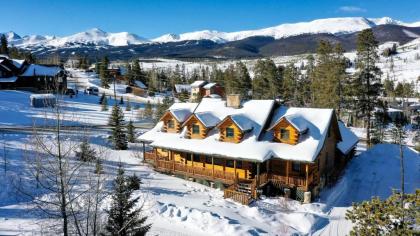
243,180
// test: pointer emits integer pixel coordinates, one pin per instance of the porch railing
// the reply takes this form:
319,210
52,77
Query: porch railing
237,196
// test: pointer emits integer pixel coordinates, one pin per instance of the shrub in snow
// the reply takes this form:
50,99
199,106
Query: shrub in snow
86,153
133,182
124,215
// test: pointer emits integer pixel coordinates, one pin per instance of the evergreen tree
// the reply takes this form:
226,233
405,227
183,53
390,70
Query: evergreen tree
137,72
116,121
243,80
260,82
123,216
366,84
102,98
104,106
4,45
162,107
103,72
121,101
128,106
148,110
86,153
129,76
289,85
328,75
385,217
133,182
131,132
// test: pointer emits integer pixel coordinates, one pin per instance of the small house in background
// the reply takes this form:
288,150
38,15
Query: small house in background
42,100
19,74
201,88
139,89
213,88
182,91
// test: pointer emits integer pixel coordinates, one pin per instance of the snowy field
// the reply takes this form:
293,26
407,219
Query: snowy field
82,109
179,207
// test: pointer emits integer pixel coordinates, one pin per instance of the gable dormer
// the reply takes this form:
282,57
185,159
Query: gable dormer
288,129
233,128
170,123
173,119
199,124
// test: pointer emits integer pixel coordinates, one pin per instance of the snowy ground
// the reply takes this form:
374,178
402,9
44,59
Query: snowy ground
81,109
180,207
81,80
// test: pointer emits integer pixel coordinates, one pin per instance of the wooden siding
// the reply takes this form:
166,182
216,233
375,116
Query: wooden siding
166,118
228,123
293,132
194,121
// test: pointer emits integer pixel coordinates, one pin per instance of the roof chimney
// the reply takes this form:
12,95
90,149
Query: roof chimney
233,100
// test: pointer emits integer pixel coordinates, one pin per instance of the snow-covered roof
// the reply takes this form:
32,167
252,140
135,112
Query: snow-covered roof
39,70
42,96
181,111
198,83
140,84
257,144
182,87
8,79
242,122
349,139
207,119
209,85
298,122
18,63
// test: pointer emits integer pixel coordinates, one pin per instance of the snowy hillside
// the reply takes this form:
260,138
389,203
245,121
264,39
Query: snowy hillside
93,36
329,25
97,36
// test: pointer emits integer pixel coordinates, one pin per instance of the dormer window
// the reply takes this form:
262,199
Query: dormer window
284,134
171,124
230,132
195,129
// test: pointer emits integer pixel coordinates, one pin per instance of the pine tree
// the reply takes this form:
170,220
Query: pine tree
101,99
162,107
104,104
243,80
103,72
366,84
121,101
131,132
129,76
289,85
328,75
4,45
116,121
137,72
148,110
123,216
86,153
128,106
260,82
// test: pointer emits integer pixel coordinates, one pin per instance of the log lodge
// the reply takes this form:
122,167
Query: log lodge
251,147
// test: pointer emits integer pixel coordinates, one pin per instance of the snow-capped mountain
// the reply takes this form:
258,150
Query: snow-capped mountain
330,25
93,36
98,37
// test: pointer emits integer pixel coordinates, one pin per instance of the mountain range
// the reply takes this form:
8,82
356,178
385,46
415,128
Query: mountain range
284,39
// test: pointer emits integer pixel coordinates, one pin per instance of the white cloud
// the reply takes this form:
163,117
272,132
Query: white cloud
351,9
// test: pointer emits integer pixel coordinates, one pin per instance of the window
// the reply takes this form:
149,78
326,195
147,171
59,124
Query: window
208,160
284,134
196,158
296,166
171,124
239,164
218,161
230,132
229,163
195,129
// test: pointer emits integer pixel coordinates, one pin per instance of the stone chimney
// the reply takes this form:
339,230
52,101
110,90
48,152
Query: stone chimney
233,100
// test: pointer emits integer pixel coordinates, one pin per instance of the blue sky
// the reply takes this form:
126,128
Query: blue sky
152,18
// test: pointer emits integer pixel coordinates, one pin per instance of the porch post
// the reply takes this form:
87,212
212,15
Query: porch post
192,162
307,177
212,167
268,168
287,171
258,174
173,161
234,168
144,152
